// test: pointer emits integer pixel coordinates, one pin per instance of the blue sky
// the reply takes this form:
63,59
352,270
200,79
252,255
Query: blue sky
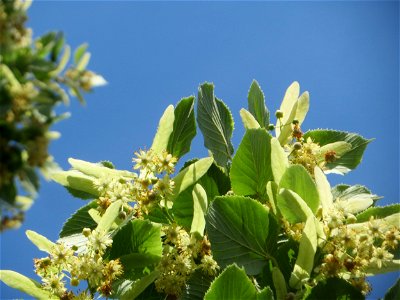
346,54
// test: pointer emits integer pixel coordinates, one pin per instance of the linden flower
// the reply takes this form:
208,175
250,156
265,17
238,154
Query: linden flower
112,269
54,284
166,162
165,186
380,256
61,254
99,241
144,159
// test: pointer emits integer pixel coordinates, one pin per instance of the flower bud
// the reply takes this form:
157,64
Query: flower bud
271,127
86,232
122,215
74,282
297,146
279,114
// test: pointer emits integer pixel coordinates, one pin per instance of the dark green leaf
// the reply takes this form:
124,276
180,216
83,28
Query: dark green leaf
79,220
251,166
334,289
349,160
256,104
238,228
184,128
378,212
196,286
216,123
394,292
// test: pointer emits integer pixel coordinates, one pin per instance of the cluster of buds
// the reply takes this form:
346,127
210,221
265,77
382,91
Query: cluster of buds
182,255
65,262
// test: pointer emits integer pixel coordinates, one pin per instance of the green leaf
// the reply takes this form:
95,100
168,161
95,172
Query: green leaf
138,245
184,128
63,62
40,241
191,174
233,283
197,286
248,120
130,289
238,228
279,160
24,284
393,292
79,52
349,160
289,109
305,259
183,209
251,166
334,289
216,123
378,212
279,283
79,220
323,188
297,179
164,130
77,181
256,104
353,199
83,62
98,170
200,204
109,217
292,207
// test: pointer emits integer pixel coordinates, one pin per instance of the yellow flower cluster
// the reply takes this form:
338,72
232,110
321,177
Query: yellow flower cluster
65,262
182,255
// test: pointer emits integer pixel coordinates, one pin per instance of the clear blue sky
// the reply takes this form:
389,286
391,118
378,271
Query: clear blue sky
346,54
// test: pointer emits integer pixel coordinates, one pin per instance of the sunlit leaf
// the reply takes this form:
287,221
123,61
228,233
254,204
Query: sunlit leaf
256,104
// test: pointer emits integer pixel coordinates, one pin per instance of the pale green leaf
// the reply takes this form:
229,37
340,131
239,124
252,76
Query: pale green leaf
79,52
63,61
287,105
83,62
387,266
191,174
303,104
24,284
272,191
40,241
279,160
164,130
256,105
216,123
76,180
98,170
199,210
109,217
339,148
297,179
248,120
305,259
323,188
292,207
